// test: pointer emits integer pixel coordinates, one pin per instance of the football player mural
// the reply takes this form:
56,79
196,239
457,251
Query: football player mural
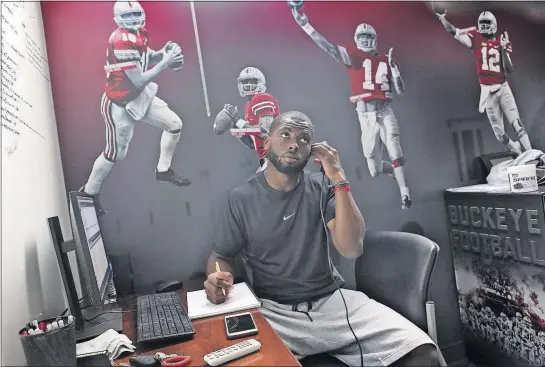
130,97
493,58
260,110
373,79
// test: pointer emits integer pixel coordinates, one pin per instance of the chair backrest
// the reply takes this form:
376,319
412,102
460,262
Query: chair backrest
395,269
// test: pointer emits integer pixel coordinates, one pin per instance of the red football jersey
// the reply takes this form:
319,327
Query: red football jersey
488,57
260,105
368,73
125,50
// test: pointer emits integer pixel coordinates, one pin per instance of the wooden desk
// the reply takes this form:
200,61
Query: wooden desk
209,337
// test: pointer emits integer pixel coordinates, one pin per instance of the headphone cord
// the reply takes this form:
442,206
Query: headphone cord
322,210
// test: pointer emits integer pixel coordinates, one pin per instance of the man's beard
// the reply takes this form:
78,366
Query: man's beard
287,169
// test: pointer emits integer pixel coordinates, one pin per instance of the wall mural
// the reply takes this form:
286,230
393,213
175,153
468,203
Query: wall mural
259,111
130,97
492,51
374,78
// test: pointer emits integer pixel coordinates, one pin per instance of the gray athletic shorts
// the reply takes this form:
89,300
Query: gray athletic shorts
385,336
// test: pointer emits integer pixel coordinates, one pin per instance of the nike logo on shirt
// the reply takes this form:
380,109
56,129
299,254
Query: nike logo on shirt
289,216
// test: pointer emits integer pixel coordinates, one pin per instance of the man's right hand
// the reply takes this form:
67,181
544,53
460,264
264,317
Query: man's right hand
215,283
439,14
296,6
300,18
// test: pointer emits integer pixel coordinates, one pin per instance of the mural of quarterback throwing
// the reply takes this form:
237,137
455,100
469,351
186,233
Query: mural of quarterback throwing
130,97
372,77
260,110
492,55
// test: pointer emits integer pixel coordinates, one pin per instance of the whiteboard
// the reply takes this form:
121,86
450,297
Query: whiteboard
32,179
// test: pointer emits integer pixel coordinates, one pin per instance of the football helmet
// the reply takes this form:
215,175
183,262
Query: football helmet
486,24
365,37
251,81
129,15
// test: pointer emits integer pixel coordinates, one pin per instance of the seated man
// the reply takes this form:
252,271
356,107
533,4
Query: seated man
274,221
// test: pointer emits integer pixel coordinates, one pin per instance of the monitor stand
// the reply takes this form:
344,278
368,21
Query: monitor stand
86,330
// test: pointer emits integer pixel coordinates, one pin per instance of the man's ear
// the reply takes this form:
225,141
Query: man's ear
266,142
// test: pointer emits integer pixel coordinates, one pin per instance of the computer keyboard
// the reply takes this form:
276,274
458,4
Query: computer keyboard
161,316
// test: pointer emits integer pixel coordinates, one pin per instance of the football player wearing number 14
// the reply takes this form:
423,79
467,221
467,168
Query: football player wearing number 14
493,59
372,78
130,97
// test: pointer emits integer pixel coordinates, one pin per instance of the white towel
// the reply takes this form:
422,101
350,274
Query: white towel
110,343
498,174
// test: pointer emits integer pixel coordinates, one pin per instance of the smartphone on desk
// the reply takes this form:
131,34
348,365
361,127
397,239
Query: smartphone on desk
240,325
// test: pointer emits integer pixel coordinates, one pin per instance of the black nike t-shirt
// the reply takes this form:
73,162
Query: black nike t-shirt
281,237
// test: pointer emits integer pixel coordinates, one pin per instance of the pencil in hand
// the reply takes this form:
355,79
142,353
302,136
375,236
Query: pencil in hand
219,271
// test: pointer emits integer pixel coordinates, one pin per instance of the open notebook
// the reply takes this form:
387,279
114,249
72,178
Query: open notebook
239,298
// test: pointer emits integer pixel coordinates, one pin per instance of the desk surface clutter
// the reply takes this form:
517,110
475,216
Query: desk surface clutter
210,334
111,343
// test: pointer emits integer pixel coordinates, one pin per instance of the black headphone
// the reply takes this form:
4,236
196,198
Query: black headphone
323,204
330,264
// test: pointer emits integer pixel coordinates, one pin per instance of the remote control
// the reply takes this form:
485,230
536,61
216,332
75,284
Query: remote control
232,352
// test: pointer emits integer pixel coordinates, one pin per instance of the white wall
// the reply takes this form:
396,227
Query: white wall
32,180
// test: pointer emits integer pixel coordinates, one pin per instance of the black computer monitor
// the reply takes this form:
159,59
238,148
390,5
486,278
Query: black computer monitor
93,267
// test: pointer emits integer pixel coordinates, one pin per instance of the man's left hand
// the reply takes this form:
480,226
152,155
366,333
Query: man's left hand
328,158
393,65
232,111
504,40
390,61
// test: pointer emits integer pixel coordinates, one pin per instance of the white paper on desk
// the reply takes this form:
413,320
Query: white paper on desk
239,298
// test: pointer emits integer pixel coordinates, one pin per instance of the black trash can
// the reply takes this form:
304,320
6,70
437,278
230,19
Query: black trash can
52,348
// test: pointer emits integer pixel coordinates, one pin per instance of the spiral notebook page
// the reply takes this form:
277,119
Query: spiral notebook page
239,298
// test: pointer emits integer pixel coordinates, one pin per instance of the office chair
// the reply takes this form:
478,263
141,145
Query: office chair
404,289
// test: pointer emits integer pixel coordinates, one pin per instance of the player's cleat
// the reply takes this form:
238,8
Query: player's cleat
98,207
172,177
406,202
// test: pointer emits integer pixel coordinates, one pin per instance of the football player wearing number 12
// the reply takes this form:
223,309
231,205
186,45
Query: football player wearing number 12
372,77
492,55
130,97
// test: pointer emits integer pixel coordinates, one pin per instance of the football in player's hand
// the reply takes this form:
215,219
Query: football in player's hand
176,66
223,122
295,4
